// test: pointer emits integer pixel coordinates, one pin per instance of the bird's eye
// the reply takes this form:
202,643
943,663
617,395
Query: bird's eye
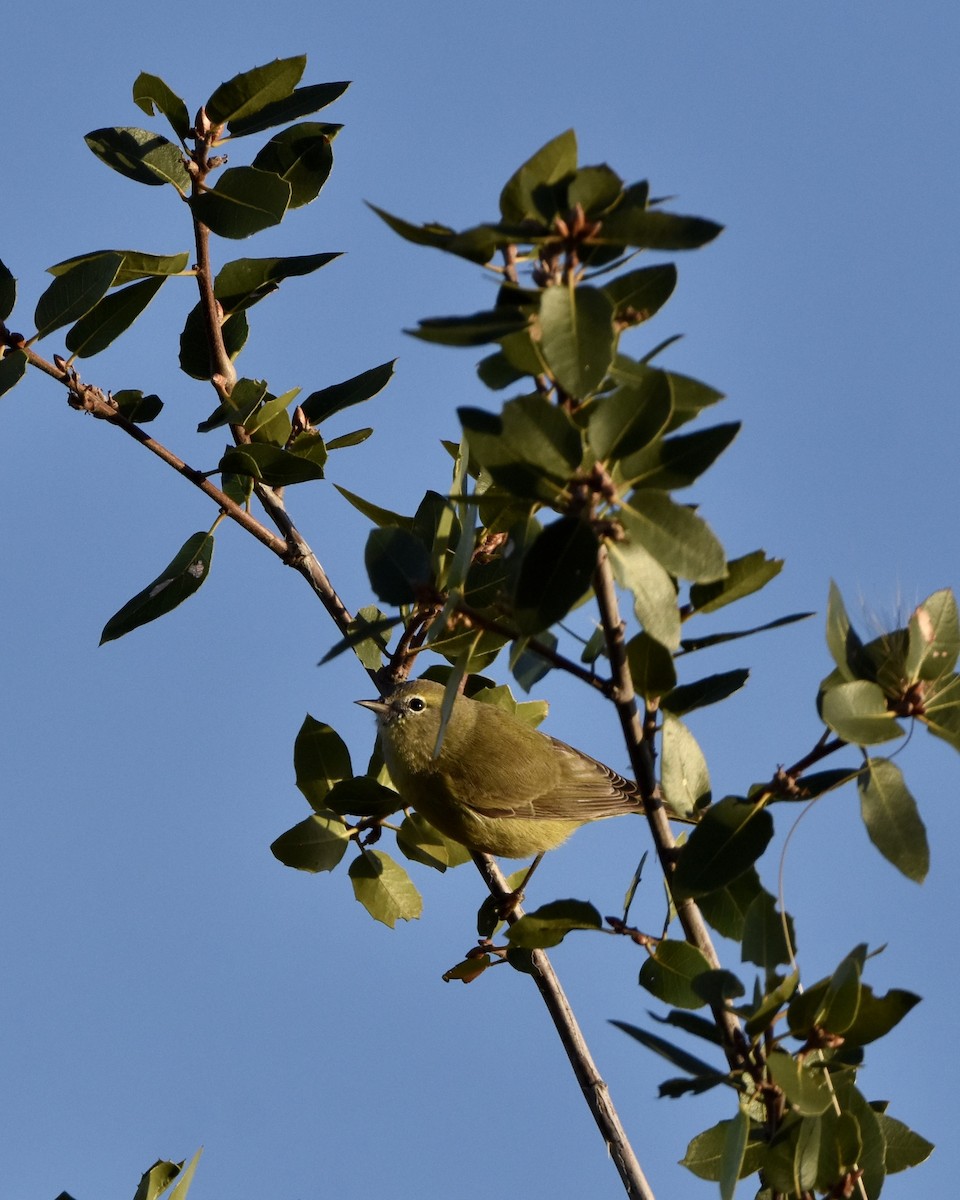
417,704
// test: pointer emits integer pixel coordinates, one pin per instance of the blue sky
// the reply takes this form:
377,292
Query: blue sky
166,983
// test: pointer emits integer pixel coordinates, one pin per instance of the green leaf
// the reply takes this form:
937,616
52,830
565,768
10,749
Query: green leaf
329,400
934,637
734,1152
247,94
110,317
243,202
8,292
902,1147
532,448
379,516
685,779
726,908
185,1178
550,924
791,1163
711,690
892,820
398,564
731,836
320,759
300,103
529,193
13,367
630,225
654,592
194,348
681,541
151,95
941,709
315,844
244,282
419,841
766,1009
243,402
745,576
671,972
270,465
629,418
871,1155
473,330
270,423
651,666
384,888
857,712
75,292
155,1181
576,337
140,155
594,189
137,407
365,638
688,645
705,1155
301,155
877,1015
637,295
476,245
355,438
763,939
844,645
184,575
556,571
676,462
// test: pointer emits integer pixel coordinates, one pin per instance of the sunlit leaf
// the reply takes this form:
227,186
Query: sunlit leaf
243,202
140,155
384,888
186,572
528,193
315,844
320,759
301,155
857,712
892,819
152,95
248,93
549,924
685,779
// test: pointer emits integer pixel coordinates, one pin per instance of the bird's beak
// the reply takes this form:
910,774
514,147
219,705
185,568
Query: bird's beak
380,707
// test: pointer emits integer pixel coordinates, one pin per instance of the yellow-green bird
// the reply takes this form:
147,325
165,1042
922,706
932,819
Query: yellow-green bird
498,786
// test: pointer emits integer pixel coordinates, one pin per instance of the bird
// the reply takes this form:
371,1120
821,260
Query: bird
496,785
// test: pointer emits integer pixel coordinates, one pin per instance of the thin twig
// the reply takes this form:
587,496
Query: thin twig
595,1090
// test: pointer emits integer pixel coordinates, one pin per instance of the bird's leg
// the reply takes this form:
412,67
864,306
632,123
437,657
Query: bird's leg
511,900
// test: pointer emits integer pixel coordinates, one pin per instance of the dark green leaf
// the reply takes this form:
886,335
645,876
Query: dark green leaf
693,1024
363,796
764,941
270,465
384,888
688,645
320,405
677,537
550,924
247,94
366,639
320,759
844,645
476,245
673,1054
637,295
355,438
629,225
705,1155
137,407
941,709
685,779
766,1009
576,337
857,712
892,820
731,836
244,401
806,1088
315,844
184,575
677,462
140,155
300,103
110,317
630,417
711,690
398,564
379,516
651,666
75,292
8,292
726,908
473,330
532,448
734,1153
302,156
671,973
497,372
13,366
594,189
151,95
877,1015
690,396
529,193
556,571
243,202
194,348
